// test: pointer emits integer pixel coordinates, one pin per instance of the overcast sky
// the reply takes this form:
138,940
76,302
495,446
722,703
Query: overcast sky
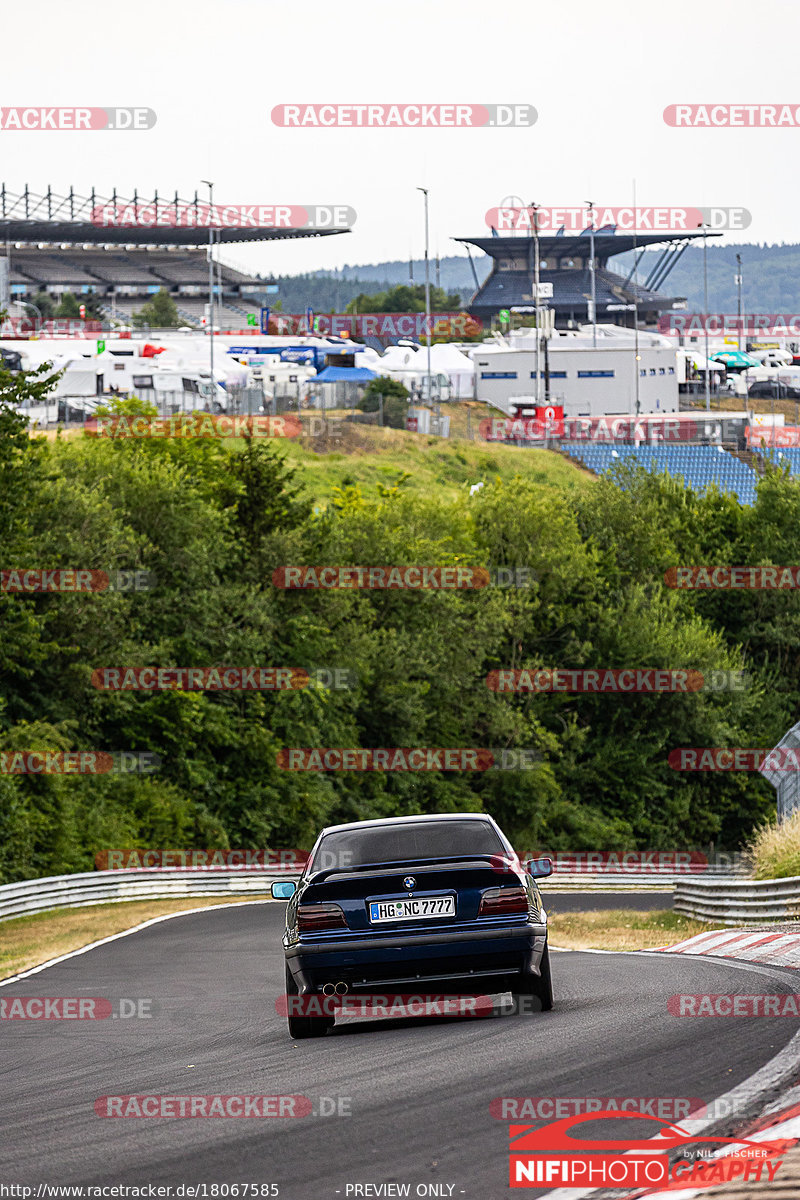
599,75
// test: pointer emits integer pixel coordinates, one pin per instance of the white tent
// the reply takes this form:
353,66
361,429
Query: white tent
402,359
446,359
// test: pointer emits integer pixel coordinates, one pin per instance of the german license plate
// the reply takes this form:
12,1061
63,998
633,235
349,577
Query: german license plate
381,911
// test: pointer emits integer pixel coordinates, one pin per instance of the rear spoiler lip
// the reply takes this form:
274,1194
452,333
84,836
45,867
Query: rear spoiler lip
406,864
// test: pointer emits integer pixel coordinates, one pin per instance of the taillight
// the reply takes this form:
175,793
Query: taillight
314,917
498,901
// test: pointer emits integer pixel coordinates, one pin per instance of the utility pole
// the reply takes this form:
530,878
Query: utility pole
428,298
534,208
705,306
589,205
210,187
739,300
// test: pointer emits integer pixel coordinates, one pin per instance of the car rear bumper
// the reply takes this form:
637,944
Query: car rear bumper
475,960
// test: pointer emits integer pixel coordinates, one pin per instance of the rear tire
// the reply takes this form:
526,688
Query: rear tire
540,986
304,1027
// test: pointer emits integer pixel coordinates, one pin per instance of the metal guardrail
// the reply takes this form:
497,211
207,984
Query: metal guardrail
737,902
102,887
663,880
162,883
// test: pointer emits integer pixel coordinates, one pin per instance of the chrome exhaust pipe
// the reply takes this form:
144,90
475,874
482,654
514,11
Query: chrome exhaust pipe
328,989
342,988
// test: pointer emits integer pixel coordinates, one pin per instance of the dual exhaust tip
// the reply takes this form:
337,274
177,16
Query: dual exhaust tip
335,989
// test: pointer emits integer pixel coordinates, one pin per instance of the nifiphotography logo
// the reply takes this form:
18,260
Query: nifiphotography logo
551,1156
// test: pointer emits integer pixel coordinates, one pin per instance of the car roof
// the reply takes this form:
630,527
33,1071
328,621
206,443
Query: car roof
419,819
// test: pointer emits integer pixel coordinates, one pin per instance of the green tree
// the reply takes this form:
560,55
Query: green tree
405,298
395,400
45,304
160,313
69,307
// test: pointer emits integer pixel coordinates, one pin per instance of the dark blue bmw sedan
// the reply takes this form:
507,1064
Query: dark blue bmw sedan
433,904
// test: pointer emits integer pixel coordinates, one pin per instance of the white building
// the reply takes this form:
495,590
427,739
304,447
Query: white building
589,380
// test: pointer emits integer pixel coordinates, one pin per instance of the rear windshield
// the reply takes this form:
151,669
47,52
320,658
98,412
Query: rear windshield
399,843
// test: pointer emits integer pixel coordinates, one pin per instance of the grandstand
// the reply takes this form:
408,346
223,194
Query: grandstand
698,466
52,245
564,263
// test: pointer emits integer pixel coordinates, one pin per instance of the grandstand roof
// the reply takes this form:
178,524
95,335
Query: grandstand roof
50,217
567,245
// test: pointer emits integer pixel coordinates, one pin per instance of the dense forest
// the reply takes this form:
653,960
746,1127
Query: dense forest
211,523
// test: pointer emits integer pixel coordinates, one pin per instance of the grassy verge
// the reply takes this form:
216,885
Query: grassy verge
775,850
621,929
370,456
27,941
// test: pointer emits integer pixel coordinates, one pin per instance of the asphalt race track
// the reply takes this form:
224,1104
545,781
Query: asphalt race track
418,1091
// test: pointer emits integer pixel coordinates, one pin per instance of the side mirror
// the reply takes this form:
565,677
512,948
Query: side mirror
282,889
537,868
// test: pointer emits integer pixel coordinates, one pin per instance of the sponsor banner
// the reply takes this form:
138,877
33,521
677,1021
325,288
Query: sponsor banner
202,1106
223,216
549,1108
733,578
73,579
601,679
735,1005
404,758
748,324
734,758
78,119
200,860
381,325
732,116
588,429
73,1008
642,218
78,762
773,435
403,116
385,1005
200,679
205,425
414,578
